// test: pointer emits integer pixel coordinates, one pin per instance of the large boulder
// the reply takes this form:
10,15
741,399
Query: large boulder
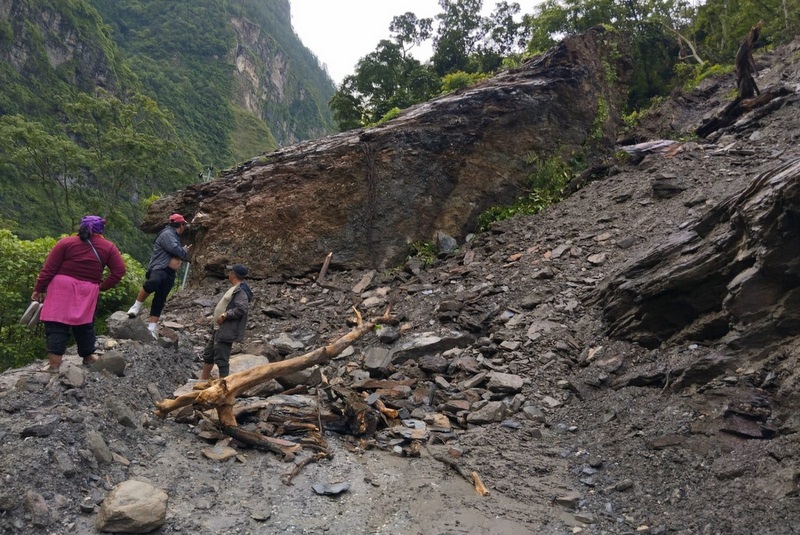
365,195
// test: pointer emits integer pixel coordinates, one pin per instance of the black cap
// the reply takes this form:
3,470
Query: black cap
240,270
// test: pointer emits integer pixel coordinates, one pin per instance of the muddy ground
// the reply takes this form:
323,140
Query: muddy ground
582,454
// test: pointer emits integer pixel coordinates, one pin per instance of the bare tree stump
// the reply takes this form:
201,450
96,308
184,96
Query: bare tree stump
746,65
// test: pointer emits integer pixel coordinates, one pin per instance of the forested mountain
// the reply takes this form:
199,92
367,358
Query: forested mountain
107,103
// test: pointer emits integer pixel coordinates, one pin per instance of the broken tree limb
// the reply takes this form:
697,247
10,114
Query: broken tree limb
479,486
682,40
286,479
745,64
730,113
221,393
361,418
473,478
386,411
282,447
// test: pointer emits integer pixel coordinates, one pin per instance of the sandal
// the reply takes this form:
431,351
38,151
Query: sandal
91,359
49,369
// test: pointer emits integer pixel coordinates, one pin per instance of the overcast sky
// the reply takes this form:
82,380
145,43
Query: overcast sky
340,32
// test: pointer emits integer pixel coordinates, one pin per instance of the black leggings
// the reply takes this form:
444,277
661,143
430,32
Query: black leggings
159,283
57,335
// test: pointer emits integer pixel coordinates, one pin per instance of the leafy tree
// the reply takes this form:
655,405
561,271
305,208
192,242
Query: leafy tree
51,160
504,36
410,31
130,146
461,28
464,42
721,25
384,79
653,25
101,158
346,104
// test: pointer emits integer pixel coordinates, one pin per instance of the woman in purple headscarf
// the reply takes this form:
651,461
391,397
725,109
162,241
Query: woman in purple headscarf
72,277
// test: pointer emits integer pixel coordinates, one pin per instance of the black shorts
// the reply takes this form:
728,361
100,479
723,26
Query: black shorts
218,353
159,283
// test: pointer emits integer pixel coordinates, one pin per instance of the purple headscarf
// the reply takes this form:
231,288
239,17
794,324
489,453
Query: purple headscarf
94,224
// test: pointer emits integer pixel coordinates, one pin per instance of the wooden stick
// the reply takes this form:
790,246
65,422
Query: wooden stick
473,478
324,270
479,486
281,447
286,479
386,411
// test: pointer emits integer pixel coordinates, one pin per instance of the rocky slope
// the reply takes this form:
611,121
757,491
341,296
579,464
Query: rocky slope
504,342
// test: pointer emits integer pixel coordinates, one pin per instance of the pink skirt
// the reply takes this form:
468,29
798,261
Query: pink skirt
70,301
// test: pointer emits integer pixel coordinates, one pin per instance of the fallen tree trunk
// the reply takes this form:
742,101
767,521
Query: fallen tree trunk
220,394
731,113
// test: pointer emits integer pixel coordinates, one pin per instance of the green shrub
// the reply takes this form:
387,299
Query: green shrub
622,157
389,115
546,186
689,76
424,250
461,80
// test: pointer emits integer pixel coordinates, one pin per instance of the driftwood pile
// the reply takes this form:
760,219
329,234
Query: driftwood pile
286,425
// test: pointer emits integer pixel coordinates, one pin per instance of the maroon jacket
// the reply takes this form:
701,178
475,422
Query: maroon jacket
75,258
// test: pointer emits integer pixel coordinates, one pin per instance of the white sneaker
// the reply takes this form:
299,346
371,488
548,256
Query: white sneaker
154,334
133,311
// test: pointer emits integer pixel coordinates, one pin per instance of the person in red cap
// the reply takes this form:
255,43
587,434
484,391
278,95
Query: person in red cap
168,255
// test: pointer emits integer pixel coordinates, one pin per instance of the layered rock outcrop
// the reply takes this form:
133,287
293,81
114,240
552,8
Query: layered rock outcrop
734,273
365,195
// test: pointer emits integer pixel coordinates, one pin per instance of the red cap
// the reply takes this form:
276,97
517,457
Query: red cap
176,218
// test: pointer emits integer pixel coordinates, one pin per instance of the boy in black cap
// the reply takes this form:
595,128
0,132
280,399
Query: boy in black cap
230,321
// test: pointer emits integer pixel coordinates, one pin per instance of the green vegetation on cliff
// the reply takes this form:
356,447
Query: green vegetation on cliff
104,103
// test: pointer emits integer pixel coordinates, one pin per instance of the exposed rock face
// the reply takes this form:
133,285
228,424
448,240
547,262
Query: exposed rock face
267,81
78,53
735,272
366,195
605,436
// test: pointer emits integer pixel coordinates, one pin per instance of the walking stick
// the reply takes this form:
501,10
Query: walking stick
185,274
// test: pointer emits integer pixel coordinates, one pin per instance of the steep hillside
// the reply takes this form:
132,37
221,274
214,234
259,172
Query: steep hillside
106,104
503,360
235,76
